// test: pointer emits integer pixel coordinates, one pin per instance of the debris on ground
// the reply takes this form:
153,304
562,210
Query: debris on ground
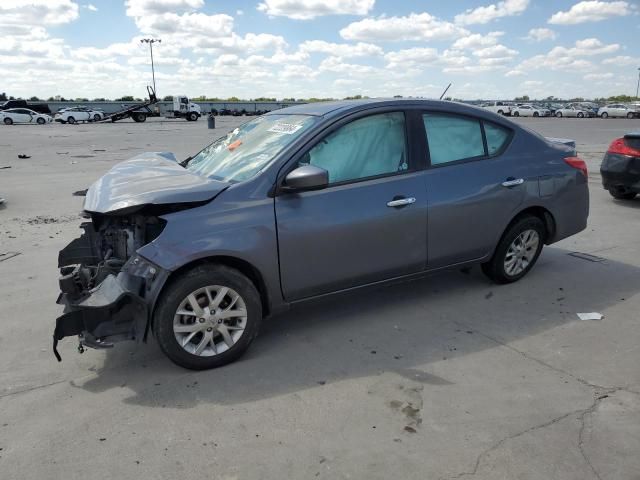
4,167
80,193
8,255
590,316
21,155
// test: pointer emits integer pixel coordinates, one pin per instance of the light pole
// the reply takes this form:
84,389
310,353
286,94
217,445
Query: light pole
638,87
151,41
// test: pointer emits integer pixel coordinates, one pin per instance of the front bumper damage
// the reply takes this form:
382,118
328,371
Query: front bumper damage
104,303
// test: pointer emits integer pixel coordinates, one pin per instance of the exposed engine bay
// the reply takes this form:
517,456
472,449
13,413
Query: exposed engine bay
106,287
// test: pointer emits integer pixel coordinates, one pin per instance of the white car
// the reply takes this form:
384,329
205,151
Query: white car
571,111
528,111
78,114
617,110
23,115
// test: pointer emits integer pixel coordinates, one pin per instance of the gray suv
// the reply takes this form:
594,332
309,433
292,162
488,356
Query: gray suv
305,202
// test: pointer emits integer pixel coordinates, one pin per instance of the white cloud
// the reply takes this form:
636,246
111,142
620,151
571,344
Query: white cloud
239,12
540,34
337,65
411,57
343,50
591,11
141,8
91,7
477,40
491,12
416,26
622,60
309,9
598,76
495,51
37,12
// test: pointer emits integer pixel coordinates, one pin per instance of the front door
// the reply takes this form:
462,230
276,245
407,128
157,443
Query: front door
368,225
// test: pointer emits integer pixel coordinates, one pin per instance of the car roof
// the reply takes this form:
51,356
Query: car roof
338,107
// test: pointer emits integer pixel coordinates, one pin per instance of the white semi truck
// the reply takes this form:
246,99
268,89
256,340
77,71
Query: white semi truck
183,108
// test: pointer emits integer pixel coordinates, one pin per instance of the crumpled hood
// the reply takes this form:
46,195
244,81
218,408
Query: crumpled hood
153,178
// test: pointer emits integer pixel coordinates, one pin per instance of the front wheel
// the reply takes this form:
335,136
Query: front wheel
559,114
192,117
8,121
516,114
629,115
604,115
40,121
517,251
536,114
580,115
207,317
71,120
97,118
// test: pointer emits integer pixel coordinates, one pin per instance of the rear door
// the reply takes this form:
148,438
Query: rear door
369,224
474,186
20,115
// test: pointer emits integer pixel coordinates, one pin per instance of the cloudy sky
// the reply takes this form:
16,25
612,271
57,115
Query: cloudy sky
321,48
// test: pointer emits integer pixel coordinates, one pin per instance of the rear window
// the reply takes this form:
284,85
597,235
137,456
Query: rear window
452,138
496,137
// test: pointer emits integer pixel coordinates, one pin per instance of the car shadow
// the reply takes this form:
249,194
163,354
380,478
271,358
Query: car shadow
635,203
400,328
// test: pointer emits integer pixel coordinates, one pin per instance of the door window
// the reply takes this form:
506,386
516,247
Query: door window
366,147
496,137
453,138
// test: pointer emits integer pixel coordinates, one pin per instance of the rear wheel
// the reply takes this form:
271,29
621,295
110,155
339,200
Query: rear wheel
559,114
97,118
208,317
580,115
139,117
516,114
622,195
71,120
8,121
517,251
535,114
604,115
629,115
500,112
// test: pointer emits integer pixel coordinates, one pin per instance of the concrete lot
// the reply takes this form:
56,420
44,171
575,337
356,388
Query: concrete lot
446,377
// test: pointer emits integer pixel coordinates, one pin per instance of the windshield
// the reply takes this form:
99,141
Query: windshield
249,148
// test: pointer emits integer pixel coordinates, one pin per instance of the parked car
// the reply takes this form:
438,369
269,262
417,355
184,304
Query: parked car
38,107
23,115
529,111
617,110
620,169
305,202
78,114
501,108
571,111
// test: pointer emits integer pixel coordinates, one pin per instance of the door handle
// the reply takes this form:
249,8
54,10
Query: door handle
512,182
401,202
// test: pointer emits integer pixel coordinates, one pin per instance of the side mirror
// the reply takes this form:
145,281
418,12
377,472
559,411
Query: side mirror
307,177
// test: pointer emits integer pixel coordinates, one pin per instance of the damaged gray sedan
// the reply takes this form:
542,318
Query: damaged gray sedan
302,203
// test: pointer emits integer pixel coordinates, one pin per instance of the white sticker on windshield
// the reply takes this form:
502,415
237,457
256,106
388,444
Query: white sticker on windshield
288,128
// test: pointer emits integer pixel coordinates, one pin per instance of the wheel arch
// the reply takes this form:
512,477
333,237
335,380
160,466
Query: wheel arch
543,214
247,269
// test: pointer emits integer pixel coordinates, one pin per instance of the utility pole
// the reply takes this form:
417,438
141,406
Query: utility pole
151,41
638,87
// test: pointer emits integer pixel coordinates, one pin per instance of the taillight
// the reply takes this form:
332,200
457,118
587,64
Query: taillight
620,147
577,163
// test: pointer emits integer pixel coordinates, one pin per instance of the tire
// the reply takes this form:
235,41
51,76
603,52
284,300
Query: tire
559,114
604,115
97,118
41,121
8,121
71,120
629,115
536,114
580,115
495,268
193,283
500,112
622,195
516,114
192,117
139,117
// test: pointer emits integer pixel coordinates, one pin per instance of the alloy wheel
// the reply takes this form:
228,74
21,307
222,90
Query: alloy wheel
210,320
521,252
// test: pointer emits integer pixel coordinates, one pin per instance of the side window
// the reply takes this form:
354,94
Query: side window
496,137
366,147
452,138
